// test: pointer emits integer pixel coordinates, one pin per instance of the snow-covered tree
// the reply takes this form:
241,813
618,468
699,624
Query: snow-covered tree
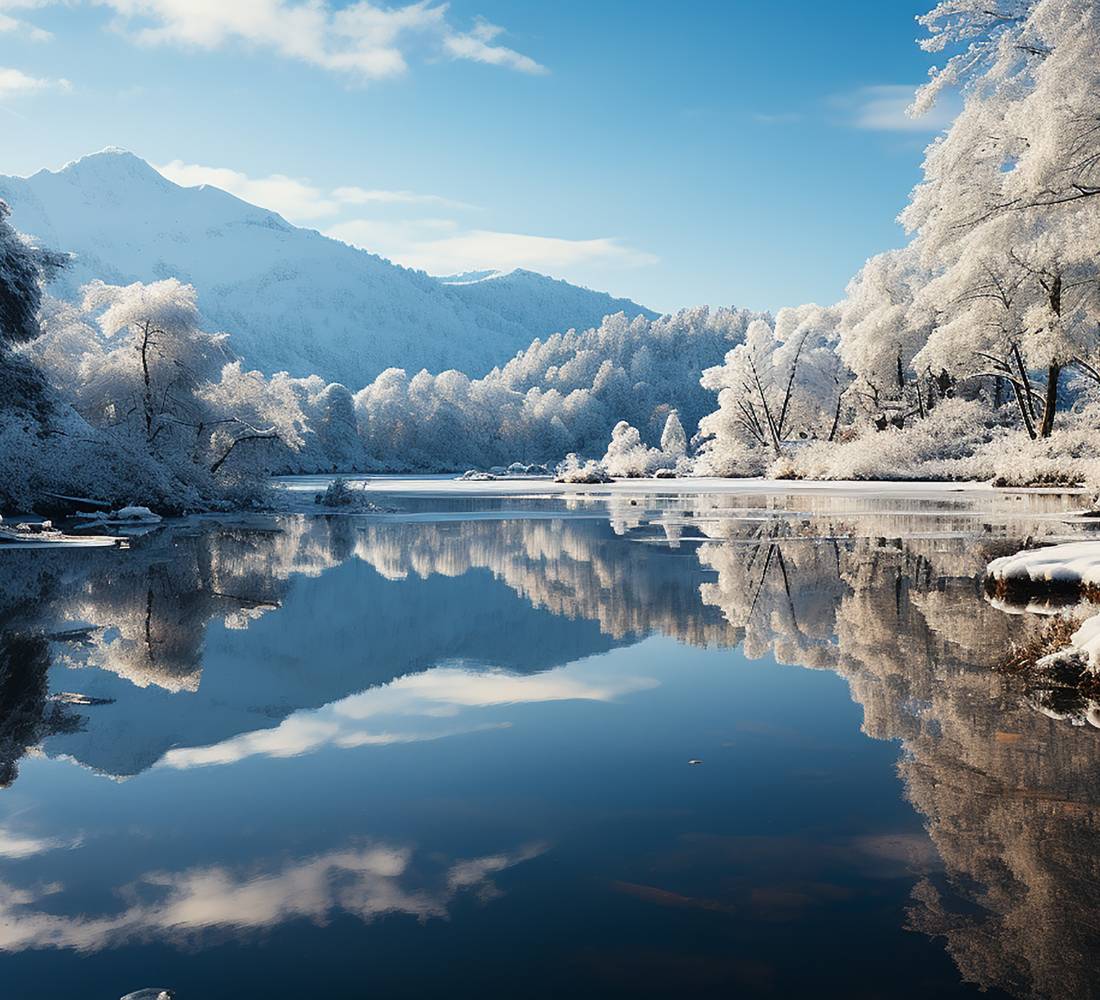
784,382
882,332
562,394
154,357
673,438
627,456
1009,193
136,365
24,268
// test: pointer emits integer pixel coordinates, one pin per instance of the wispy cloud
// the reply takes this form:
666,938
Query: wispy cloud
364,196
415,245
361,40
409,710
436,242
777,117
15,846
16,83
296,199
362,881
479,46
884,108
11,24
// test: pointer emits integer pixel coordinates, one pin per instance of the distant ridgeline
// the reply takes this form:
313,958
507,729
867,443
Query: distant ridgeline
293,300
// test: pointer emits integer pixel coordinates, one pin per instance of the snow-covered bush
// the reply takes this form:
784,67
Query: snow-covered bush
575,470
627,457
942,446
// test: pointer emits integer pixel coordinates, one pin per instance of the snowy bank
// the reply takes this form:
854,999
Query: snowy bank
42,535
1073,566
1064,663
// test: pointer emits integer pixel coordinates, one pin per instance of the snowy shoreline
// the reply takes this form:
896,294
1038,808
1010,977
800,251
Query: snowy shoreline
1062,581
446,485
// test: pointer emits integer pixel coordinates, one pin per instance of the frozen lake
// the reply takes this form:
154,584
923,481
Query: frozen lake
448,751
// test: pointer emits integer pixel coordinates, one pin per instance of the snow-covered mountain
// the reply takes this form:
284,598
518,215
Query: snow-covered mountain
292,299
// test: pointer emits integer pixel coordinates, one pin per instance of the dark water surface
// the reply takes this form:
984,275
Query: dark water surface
445,752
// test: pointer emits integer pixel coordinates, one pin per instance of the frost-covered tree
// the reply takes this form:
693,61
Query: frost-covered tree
137,366
154,357
817,377
562,394
881,333
24,269
751,387
673,438
628,457
784,382
1009,193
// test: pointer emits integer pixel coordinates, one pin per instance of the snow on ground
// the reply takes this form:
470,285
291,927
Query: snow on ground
455,486
1086,643
1071,564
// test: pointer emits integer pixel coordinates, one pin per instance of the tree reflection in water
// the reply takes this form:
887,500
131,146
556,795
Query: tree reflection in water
887,594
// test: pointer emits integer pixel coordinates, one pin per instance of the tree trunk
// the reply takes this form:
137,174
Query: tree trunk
1050,400
836,418
1025,411
147,391
1025,380
269,436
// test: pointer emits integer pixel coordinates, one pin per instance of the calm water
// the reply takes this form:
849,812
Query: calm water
445,752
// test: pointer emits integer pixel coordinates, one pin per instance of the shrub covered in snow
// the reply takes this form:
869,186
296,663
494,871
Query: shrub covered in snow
575,470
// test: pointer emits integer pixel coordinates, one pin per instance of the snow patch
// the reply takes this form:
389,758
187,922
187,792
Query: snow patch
1074,563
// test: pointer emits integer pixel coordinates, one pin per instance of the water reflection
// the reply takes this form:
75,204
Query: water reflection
188,906
218,647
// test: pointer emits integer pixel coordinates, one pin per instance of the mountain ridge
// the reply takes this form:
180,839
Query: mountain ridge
292,298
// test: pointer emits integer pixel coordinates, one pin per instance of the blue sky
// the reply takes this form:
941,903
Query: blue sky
731,152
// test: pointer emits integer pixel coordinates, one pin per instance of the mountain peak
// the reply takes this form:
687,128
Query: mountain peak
292,299
112,164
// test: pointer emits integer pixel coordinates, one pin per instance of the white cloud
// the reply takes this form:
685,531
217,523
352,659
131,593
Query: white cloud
363,196
16,83
12,24
296,199
883,108
478,46
363,40
363,881
478,249
16,846
432,243
409,710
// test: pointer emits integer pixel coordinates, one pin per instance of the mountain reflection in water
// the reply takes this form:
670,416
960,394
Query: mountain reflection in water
343,724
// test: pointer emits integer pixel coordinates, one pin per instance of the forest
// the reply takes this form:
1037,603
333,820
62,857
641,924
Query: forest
972,353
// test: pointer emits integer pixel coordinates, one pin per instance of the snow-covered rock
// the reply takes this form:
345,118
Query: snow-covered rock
143,514
1074,566
293,299
1067,565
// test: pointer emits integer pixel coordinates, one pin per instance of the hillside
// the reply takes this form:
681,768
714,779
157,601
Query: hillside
293,299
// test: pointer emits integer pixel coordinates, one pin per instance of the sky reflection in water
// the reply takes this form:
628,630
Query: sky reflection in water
405,757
